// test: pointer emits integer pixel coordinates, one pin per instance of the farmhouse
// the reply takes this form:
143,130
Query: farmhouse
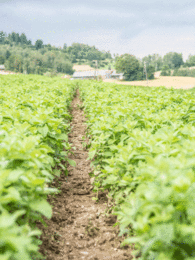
104,74
91,74
115,75
2,67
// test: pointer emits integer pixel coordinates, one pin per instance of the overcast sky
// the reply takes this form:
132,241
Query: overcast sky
137,27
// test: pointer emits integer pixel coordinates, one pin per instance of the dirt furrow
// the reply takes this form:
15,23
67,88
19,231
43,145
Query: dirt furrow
79,228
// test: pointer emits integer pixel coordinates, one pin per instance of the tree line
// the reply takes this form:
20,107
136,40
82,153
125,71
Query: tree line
135,69
18,54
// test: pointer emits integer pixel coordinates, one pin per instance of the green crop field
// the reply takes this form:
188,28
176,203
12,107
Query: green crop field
33,140
143,149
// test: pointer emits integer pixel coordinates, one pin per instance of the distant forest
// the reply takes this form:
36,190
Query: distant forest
18,54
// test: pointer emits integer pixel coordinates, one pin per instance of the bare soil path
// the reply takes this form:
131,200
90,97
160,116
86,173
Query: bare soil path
79,228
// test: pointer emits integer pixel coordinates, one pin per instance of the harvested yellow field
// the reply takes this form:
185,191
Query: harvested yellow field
3,72
82,68
176,82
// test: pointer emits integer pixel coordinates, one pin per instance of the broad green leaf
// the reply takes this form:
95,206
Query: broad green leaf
63,137
64,153
110,180
7,220
44,130
91,154
71,162
164,232
57,172
5,256
41,206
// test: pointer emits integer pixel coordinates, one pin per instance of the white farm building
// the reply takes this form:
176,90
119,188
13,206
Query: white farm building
92,74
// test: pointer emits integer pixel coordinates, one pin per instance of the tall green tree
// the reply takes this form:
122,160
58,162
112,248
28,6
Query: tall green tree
177,59
7,54
12,36
29,42
150,72
17,38
154,60
190,61
26,64
64,47
38,44
2,59
2,37
91,55
129,65
23,39
63,66
173,60
165,71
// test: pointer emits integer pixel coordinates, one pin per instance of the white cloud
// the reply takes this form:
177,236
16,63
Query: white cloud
163,40
97,12
137,27
28,9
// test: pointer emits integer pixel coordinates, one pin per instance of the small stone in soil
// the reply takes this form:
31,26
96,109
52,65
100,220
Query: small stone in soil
84,253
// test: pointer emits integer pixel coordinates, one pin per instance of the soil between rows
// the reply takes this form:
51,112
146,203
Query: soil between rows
79,228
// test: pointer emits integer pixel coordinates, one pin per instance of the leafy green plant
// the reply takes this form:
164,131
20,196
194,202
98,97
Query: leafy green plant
33,142
142,150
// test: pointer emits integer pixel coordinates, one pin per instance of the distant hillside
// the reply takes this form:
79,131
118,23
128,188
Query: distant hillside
18,54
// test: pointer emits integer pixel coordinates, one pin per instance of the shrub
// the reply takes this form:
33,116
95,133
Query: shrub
184,72
166,71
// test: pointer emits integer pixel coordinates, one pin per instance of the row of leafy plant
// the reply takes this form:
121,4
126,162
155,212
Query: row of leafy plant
34,123
143,152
